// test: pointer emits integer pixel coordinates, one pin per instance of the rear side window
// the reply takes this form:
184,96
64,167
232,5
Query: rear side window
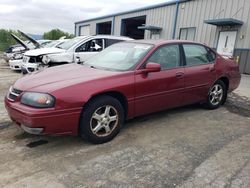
197,55
109,42
167,56
211,55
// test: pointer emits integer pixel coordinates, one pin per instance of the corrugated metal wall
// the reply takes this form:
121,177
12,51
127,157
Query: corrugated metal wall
192,14
92,25
161,17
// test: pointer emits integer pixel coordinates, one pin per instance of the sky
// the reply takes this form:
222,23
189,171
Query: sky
39,16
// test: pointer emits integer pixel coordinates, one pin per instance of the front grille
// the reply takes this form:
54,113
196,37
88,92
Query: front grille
13,94
35,59
32,60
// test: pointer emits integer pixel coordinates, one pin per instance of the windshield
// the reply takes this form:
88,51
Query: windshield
44,42
68,44
121,56
50,44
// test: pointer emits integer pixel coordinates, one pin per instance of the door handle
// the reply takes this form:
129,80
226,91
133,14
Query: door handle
211,69
179,74
78,60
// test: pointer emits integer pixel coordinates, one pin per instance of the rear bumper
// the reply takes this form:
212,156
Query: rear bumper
234,82
44,121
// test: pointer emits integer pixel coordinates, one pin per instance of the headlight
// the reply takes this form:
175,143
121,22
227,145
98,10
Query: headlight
17,56
45,59
39,100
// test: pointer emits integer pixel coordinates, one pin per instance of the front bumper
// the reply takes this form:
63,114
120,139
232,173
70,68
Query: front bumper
44,121
29,67
15,64
31,130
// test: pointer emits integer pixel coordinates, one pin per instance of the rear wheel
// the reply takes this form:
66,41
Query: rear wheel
217,95
101,119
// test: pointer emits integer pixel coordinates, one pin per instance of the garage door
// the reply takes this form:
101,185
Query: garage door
85,30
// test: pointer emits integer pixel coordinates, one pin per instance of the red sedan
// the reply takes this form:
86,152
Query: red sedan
126,80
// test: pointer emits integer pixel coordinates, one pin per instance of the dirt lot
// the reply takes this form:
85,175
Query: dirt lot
184,147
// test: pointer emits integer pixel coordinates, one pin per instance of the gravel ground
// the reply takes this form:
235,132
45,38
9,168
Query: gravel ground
183,147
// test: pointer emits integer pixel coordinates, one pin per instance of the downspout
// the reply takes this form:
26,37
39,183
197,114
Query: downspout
75,29
175,19
113,26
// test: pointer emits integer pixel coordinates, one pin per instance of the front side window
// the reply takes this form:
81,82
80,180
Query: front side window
68,44
196,55
95,45
167,56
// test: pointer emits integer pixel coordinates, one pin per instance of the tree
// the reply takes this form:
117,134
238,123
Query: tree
55,34
6,39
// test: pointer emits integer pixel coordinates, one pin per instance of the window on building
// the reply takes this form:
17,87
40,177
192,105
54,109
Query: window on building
187,33
167,56
104,28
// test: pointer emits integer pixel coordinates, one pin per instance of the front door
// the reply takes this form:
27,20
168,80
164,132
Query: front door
88,49
226,43
156,91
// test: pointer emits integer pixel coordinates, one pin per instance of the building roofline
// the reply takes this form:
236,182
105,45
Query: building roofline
134,10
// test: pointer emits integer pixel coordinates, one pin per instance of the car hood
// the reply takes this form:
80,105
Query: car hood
43,51
33,41
18,40
54,78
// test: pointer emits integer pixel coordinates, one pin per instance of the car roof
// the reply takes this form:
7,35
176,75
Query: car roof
162,41
113,37
106,37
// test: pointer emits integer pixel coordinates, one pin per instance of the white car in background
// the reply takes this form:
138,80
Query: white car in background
16,61
76,50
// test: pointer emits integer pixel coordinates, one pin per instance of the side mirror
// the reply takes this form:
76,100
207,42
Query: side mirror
78,60
152,67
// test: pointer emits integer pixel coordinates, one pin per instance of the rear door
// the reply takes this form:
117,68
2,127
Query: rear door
199,72
161,90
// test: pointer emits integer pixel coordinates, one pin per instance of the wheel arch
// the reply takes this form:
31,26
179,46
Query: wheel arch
115,94
225,80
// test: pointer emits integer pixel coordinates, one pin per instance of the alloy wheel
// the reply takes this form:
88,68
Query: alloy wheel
104,120
216,94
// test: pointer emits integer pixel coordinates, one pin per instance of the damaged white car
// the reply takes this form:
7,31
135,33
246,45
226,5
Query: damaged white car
77,50
16,56
16,61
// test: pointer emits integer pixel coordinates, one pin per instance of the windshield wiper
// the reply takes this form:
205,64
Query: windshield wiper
93,67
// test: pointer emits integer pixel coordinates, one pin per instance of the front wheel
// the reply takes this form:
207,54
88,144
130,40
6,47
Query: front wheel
217,95
101,119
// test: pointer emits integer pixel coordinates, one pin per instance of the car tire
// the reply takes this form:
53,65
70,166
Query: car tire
101,119
217,95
